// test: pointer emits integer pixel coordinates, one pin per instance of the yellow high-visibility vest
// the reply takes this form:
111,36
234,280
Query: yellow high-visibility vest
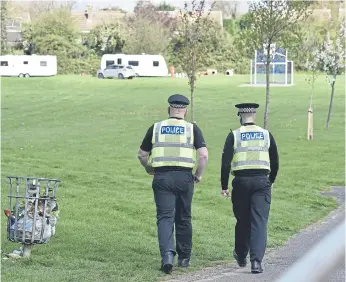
251,148
173,144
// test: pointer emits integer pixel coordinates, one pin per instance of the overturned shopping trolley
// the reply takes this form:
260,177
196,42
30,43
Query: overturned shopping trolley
33,211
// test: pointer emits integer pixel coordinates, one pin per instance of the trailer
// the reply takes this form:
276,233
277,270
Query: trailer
144,65
27,66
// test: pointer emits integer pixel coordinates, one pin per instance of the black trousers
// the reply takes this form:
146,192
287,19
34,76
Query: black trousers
173,192
251,198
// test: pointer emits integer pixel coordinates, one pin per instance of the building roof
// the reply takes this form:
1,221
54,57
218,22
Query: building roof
99,17
214,15
96,18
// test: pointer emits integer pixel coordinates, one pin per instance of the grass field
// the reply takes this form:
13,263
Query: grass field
87,132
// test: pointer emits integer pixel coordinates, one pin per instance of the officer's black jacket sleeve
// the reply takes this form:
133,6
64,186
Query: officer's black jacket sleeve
199,141
274,159
227,156
146,143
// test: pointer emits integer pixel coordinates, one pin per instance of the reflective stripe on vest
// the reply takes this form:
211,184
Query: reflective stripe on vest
174,148
172,159
251,146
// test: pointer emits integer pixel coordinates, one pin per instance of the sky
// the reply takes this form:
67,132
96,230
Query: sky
128,5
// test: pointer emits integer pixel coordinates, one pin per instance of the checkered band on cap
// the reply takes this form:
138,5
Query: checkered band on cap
247,110
178,106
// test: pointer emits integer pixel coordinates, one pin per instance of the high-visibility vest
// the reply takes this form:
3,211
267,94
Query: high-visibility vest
173,144
251,148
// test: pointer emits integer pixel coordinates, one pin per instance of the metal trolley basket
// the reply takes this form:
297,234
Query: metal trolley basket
33,210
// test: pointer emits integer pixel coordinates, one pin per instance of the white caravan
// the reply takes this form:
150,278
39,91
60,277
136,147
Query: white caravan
26,66
144,65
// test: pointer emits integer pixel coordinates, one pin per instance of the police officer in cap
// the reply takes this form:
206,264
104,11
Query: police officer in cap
250,153
167,152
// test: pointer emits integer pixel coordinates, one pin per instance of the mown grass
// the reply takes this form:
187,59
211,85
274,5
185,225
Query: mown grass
87,132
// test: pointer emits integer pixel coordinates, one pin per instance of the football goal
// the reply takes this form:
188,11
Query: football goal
280,71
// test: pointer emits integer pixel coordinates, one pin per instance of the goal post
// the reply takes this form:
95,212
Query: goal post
280,70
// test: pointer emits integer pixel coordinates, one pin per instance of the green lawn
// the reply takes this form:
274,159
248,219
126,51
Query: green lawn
87,132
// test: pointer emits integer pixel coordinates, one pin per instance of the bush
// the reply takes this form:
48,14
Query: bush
89,65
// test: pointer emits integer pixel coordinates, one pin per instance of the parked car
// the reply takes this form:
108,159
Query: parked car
119,71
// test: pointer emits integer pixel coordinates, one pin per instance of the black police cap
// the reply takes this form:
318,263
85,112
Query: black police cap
178,101
247,108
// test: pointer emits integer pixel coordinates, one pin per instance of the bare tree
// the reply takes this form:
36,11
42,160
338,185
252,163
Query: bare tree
37,8
228,8
148,31
268,22
194,36
145,36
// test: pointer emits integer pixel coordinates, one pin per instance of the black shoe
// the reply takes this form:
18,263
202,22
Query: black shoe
185,262
256,267
241,261
167,262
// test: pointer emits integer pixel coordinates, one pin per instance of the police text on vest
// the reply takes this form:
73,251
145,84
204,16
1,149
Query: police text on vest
172,129
248,136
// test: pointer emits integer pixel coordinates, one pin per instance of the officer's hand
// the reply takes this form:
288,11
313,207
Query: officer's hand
197,179
149,169
225,193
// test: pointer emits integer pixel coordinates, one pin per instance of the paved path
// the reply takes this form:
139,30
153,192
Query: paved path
278,260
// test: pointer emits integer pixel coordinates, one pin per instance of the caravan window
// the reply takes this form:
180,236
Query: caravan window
119,61
133,63
155,63
43,63
109,63
4,63
25,62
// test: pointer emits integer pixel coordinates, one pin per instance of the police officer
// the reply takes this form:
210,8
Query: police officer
167,152
250,153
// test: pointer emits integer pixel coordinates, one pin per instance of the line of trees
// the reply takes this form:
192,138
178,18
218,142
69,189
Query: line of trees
149,30
191,42
152,30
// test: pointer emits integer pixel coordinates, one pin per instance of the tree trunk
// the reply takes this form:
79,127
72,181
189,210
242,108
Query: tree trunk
330,104
192,105
266,112
192,87
312,93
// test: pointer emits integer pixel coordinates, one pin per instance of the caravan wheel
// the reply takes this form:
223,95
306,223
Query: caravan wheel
27,75
21,75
